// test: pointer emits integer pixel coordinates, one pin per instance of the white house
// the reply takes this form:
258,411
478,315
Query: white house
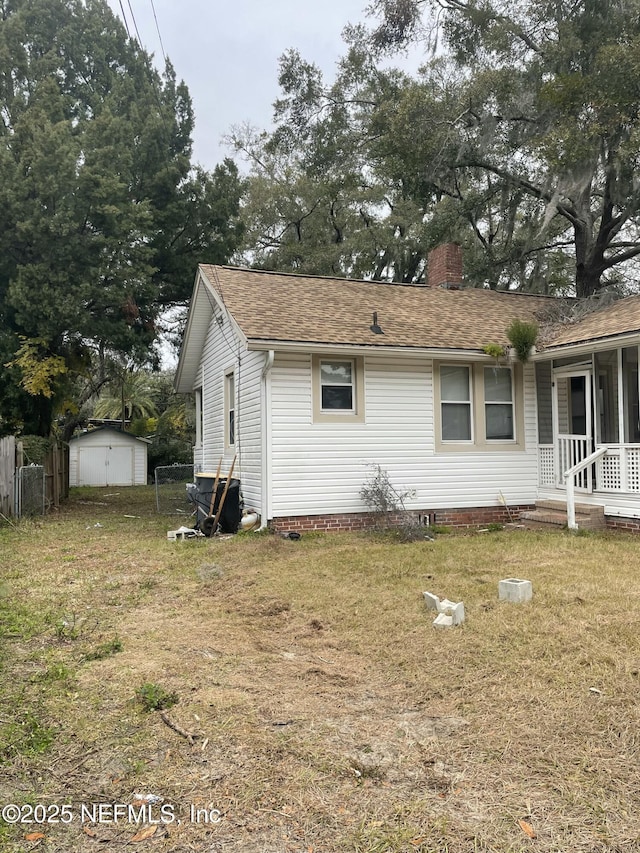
309,381
106,456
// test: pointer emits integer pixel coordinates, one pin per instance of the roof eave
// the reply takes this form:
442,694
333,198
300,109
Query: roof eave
261,345
203,303
589,345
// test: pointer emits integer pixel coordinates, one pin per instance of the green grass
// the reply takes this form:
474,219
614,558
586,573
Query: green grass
324,710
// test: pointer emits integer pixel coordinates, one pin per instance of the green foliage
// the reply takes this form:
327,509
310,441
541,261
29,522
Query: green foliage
165,418
38,373
104,650
519,140
153,697
56,671
494,350
130,395
549,117
27,736
522,336
36,448
102,215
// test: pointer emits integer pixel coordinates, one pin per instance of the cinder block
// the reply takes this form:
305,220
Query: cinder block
452,612
432,601
515,590
457,613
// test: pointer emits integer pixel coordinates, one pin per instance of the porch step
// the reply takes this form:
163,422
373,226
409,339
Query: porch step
553,514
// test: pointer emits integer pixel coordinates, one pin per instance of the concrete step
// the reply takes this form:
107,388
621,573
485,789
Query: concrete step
561,506
544,518
553,515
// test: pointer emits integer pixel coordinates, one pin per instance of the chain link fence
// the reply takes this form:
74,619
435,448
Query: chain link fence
30,496
171,489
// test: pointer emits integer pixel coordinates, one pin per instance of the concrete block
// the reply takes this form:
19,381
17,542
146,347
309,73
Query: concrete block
182,533
515,590
457,613
432,601
452,612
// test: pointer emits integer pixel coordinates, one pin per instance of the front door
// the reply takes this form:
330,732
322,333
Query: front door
574,424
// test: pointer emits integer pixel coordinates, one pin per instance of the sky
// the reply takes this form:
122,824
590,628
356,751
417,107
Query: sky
227,53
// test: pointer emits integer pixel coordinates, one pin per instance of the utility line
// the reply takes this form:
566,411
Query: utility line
124,18
135,24
155,18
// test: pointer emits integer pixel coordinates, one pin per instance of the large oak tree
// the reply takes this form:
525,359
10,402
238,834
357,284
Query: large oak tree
552,111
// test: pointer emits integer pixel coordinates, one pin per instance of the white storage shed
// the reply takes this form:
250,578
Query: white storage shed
106,456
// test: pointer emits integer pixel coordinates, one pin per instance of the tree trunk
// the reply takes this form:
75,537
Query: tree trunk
588,280
589,260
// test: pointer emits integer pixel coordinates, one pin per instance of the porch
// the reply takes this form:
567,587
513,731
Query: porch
589,429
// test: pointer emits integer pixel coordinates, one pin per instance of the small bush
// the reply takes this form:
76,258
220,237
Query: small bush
381,496
387,505
153,697
522,337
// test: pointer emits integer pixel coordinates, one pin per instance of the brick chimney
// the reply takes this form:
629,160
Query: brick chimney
444,266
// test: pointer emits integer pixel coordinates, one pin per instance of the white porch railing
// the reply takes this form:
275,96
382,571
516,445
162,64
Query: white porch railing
574,475
619,469
572,450
616,470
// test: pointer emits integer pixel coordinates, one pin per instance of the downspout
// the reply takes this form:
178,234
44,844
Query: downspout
265,391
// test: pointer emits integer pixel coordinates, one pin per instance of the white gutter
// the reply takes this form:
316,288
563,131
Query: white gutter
363,349
265,485
587,347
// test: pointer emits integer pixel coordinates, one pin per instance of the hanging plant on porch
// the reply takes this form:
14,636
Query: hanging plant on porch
522,337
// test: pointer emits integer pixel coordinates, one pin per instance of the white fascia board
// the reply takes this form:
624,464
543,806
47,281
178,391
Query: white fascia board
354,349
177,380
203,305
587,347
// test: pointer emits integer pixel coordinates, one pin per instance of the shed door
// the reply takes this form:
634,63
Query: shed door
105,466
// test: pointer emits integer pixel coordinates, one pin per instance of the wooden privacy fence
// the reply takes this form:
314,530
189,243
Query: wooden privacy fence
8,465
56,466
56,469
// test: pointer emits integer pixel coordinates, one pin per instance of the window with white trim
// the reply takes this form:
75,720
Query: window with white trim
455,402
478,406
337,389
337,386
498,404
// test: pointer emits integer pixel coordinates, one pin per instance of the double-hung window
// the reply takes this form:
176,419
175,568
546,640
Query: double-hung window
479,407
498,404
455,402
337,386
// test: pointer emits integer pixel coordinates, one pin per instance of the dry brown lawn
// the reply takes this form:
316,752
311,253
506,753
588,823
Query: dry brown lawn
318,709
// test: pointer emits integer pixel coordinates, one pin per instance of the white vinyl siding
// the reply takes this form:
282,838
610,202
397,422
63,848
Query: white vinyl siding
320,467
107,458
223,357
249,427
